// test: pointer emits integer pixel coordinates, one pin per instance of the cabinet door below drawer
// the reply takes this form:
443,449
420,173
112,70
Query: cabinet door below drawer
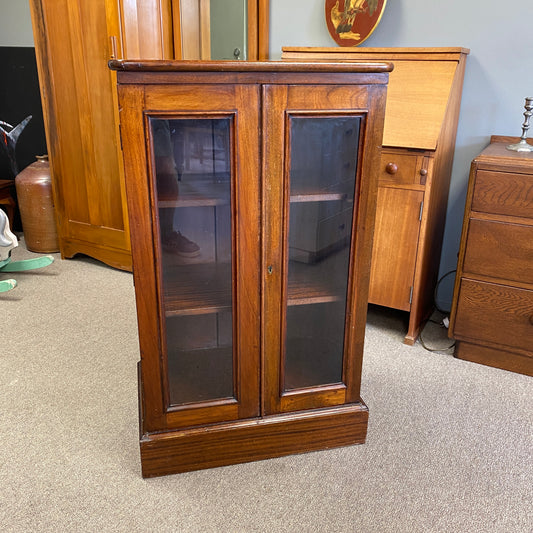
395,247
500,250
495,313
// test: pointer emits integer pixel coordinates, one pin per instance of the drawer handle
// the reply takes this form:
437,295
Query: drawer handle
423,172
391,168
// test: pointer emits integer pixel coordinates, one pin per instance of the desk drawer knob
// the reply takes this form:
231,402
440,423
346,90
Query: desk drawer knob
391,168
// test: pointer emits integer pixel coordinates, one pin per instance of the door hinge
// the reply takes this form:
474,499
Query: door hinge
120,136
411,295
421,209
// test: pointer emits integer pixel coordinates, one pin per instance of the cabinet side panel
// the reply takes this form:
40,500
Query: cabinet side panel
435,207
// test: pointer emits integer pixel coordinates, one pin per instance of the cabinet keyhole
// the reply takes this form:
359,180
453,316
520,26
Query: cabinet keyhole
269,269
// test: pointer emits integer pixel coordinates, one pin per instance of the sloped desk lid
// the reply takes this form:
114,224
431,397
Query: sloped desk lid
420,87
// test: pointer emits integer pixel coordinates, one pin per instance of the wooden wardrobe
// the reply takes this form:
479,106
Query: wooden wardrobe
74,41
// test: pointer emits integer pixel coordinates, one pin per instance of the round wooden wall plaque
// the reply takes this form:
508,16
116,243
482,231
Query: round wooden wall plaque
350,22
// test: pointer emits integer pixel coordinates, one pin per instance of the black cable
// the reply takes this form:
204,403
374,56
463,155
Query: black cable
441,323
436,290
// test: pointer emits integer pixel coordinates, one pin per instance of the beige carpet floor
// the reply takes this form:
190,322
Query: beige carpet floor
449,445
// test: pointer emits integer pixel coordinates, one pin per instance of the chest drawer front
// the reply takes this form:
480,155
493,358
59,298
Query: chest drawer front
503,193
495,313
500,250
400,169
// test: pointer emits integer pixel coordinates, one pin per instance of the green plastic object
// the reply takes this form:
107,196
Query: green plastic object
26,264
21,266
7,285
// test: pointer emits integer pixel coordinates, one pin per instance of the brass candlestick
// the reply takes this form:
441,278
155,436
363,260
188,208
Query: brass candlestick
523,146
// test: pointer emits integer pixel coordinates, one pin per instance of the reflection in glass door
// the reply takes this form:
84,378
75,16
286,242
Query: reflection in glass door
193,188
323,169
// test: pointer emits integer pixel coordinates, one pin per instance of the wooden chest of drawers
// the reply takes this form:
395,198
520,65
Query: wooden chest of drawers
492,315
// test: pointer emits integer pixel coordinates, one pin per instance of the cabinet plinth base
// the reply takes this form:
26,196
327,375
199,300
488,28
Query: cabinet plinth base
243,441
484,355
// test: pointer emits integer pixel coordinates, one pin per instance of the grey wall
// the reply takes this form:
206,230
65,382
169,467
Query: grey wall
15,23
499,72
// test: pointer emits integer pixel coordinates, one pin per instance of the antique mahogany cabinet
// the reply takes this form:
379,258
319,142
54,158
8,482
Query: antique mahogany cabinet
74,40
492,314
251,332
423,104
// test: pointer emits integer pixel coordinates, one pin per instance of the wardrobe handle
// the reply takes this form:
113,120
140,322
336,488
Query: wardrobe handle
113,47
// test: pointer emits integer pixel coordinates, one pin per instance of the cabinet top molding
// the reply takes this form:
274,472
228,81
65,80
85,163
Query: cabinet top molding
418,53
249,66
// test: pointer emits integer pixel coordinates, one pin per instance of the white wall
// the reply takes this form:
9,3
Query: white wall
15,23
499,72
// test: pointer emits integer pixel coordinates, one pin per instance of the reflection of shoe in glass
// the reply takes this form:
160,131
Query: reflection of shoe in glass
176,243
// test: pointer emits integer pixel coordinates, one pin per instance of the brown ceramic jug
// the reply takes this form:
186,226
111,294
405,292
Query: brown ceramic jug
36,206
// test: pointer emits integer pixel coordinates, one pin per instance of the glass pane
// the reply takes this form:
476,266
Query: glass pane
323,168
229,29
192,163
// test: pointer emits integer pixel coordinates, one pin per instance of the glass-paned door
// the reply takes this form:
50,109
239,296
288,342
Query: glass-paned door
316,182
322,173
204,188
193,171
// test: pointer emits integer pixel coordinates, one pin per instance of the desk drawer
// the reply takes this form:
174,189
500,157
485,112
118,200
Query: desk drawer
503,193
402,169
499,250
495,313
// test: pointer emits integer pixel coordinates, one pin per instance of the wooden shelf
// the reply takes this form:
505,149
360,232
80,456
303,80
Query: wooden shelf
200,194
197,289
197,194
317,195
307,286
